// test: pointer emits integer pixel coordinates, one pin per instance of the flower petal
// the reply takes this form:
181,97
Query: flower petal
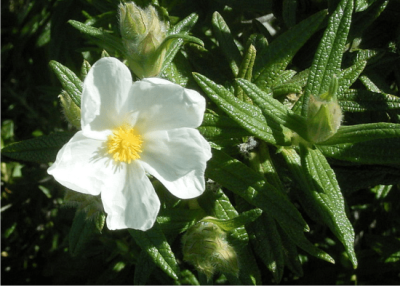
177,158
132,202
81,166
105,92
163,105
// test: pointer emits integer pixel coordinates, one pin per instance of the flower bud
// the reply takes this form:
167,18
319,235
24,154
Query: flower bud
71,111
324,114
205,246
142,34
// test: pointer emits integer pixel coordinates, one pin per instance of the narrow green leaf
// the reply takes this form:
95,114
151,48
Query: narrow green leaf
69,81
287,88
289,12
369,84
81,233
266,241
233,223
348,76
246,115
108,41
183,28
328,57
291,256
226,42
361,5
251,186
275,58
42,149
187,278
186,38
174,221
367,152
143,268
282,77
355,100
272,109
364,132
155,244
320,192
246,67
322,182
178,71
363,20
246,71
220,127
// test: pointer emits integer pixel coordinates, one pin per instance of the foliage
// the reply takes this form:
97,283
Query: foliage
258,63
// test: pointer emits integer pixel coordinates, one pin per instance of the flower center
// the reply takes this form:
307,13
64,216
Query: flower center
124,144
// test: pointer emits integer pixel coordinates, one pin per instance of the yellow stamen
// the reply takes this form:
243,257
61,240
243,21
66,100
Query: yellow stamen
124,144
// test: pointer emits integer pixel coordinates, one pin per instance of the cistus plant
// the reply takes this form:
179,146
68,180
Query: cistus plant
201,142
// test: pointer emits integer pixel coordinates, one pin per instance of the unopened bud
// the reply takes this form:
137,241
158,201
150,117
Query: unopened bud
71,111
142,33
205,246
324,115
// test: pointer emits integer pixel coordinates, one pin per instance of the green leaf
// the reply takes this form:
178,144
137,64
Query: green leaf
188,278
361,5
108,41
291,256
155,244
41,149
355,100
363,20
220,127
246,115
226,42
246,71
246,67
379,151
143,268
233,223
364,132
251,186
328,57
289,12
272,109
69,81
183,28
186,38
286,89
174,221
275,58
322,182
320,194
348,76
266,242
178,71
81,233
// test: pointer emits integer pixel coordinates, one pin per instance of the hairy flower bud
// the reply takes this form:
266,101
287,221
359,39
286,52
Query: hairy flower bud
324,114
142,33
206,247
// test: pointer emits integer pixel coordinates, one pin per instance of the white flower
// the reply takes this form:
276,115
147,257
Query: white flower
129,129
